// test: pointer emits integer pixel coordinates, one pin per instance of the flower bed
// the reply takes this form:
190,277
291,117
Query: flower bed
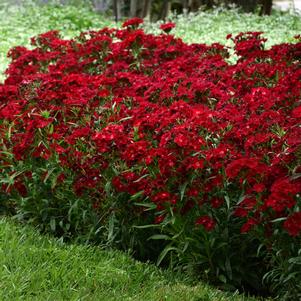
118,136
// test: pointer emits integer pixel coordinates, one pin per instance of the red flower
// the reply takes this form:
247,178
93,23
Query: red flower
282,195
117,184
163,196
251,222
41,122
21,188
240,212
167,27
297,112
159,219
206,221
61,178
10,111
293,224
251,164
181,140
193,192
259,187
216,202
134,22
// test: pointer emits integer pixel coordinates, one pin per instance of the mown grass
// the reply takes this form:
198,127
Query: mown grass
36,267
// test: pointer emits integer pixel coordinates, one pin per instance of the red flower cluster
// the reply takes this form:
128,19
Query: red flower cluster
293,224
167,27
134,22
207,222
176,122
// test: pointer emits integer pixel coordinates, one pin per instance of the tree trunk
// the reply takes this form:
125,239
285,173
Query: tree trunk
185,4
266,8
147,9
133,8
208,3
247,5
194,5
101,5
165,9
119,9
293,6
115,10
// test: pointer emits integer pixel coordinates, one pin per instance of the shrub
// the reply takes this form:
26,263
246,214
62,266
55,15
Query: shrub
150,144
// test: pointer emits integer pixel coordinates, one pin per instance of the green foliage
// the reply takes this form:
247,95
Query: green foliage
213,26
51,206
285,273
223,254
35,267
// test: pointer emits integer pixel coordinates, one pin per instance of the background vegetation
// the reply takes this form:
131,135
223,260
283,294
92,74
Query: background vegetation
18,23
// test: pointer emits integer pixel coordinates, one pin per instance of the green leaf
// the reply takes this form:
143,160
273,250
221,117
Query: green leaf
45,114
295,176
149,206
51,128
138,180
182,191
163,254
137,195
125,118
7,153
222,278
159,236
48,174
9,131
241,199
228,268
227,199
295,260
111,235
53,224
147,226
72,208
280,219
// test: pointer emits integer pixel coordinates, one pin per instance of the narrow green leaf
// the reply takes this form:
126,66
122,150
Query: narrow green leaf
163,254
136,195
227,199
147,226
280,219
48,174
53,224
228,268
182,191
138,180
159,236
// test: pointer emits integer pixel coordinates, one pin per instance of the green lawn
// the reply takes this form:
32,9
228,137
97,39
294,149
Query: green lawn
36,267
